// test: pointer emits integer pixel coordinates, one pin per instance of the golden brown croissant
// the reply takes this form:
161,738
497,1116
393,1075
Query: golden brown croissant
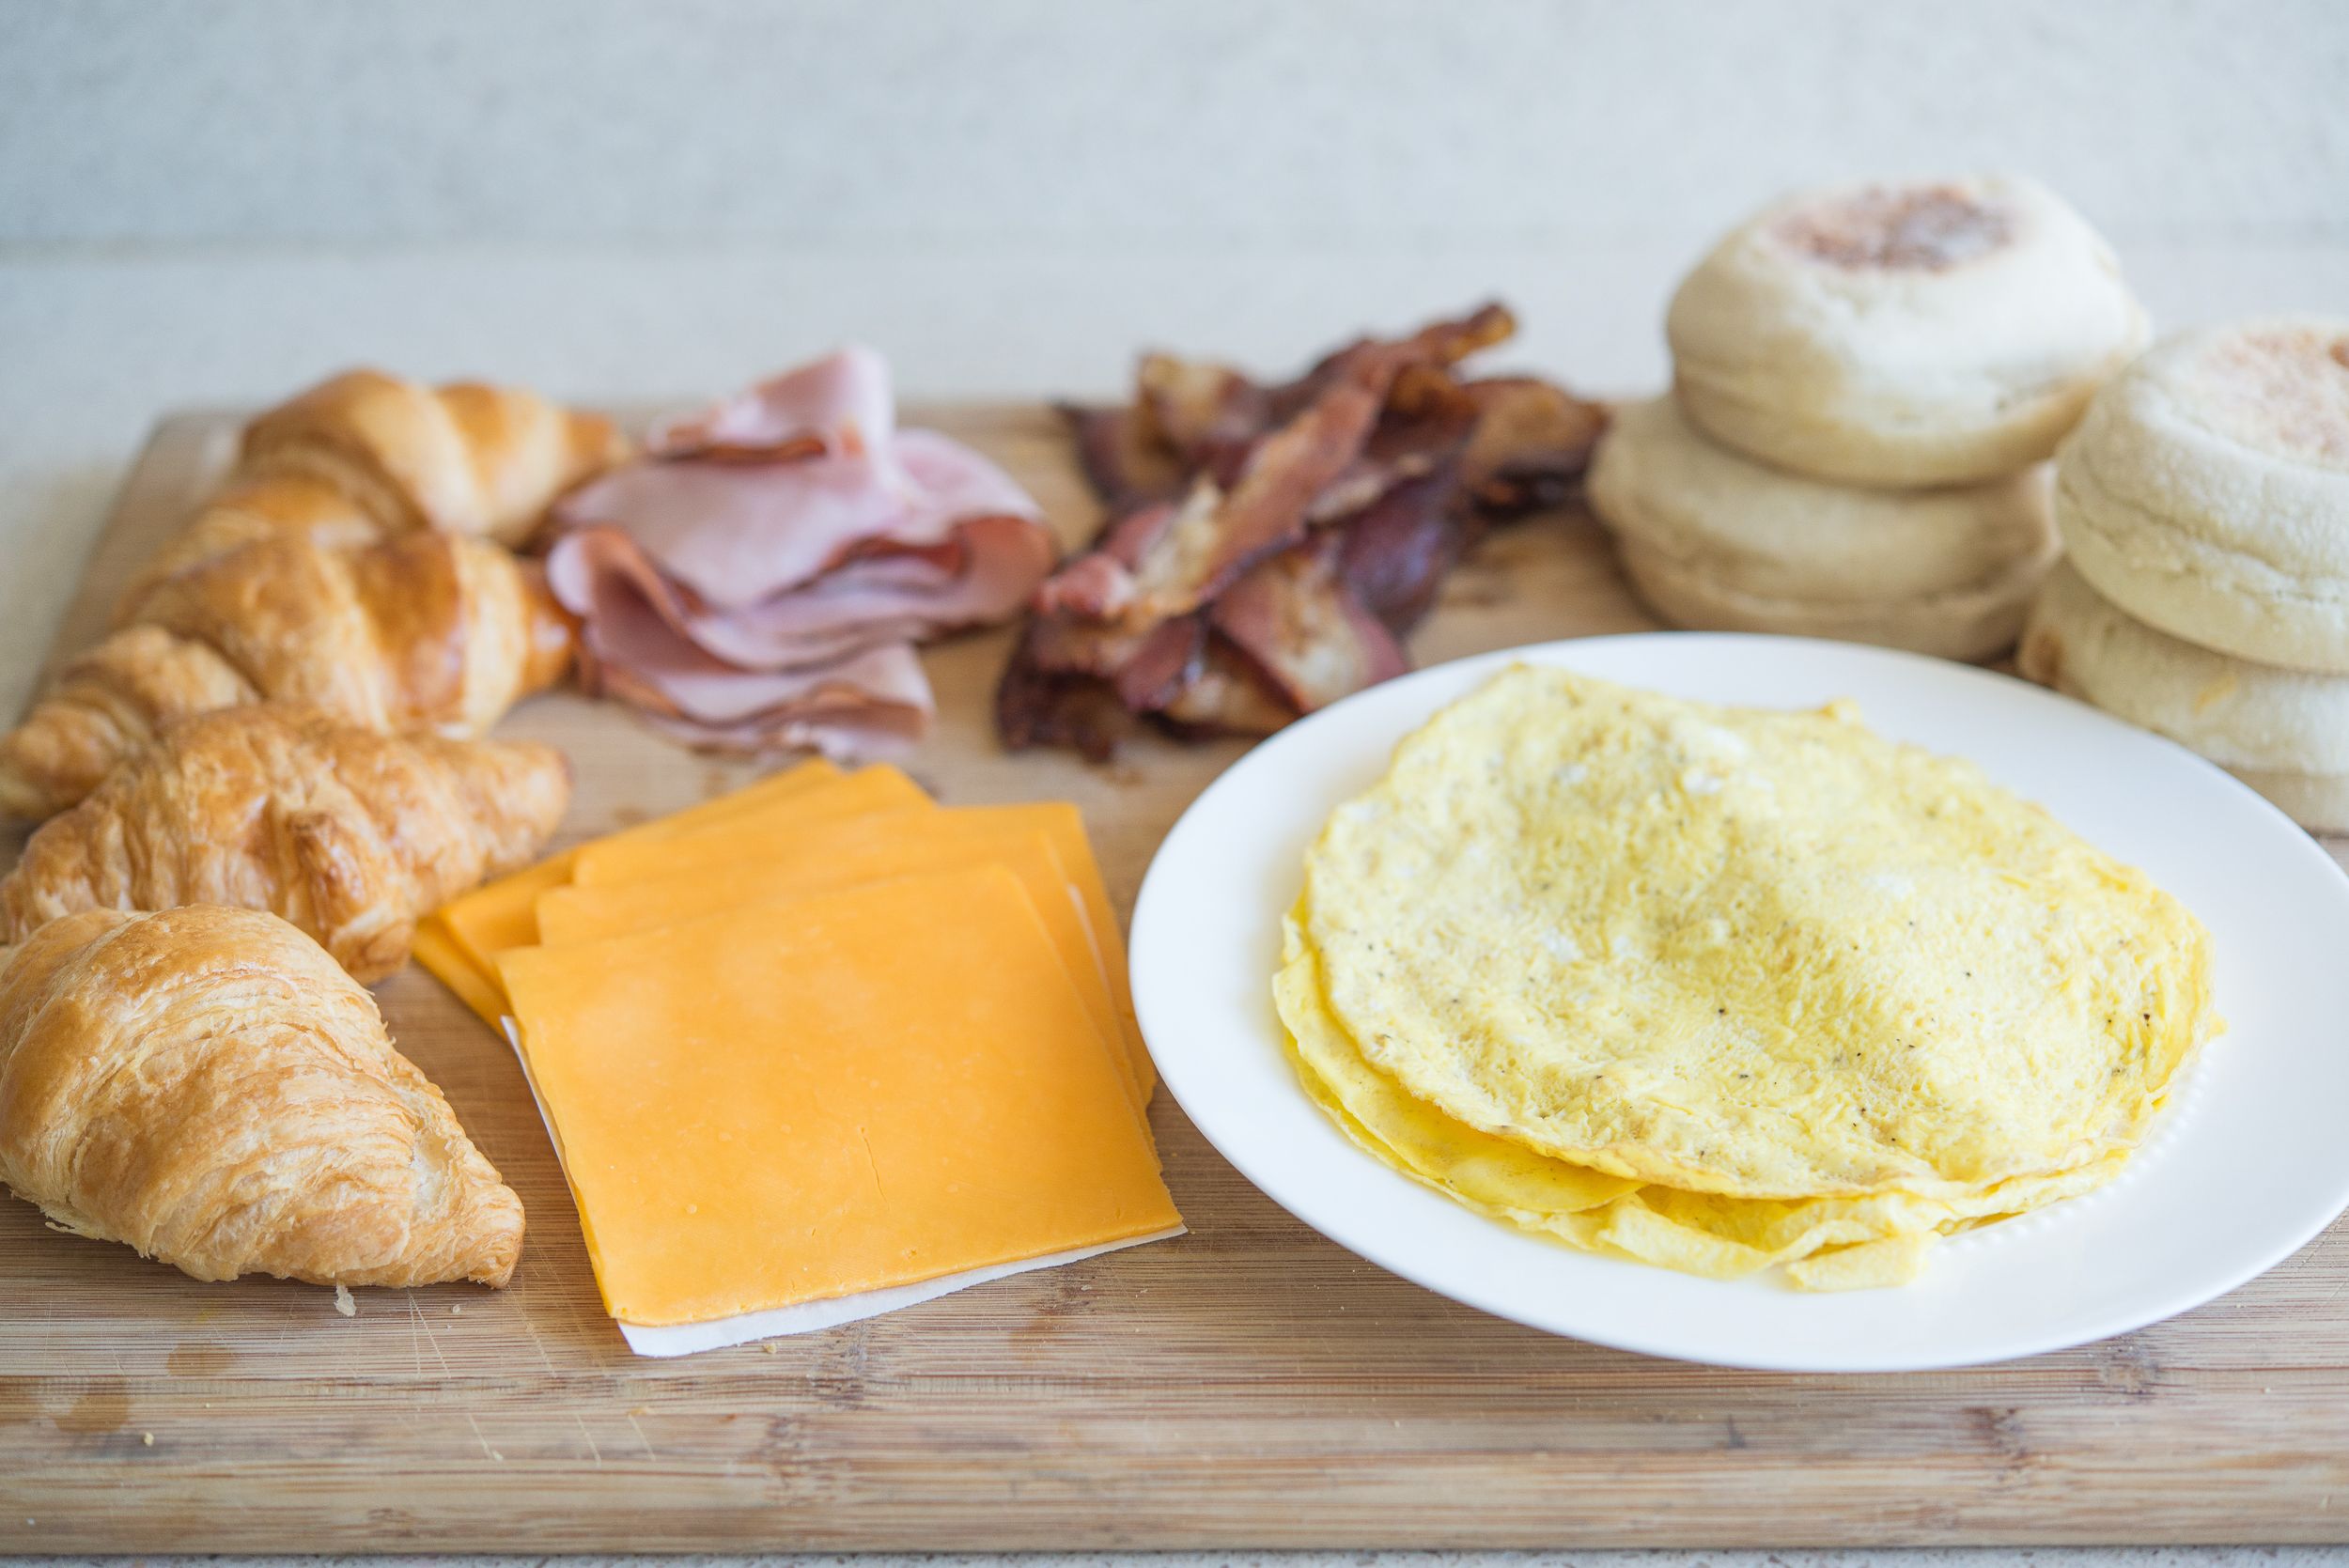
365,456
350,834
426,631
205,1085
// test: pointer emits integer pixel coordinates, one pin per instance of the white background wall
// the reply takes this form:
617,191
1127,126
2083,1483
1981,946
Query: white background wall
217,202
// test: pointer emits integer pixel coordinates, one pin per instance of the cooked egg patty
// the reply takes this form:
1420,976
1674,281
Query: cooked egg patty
1723,987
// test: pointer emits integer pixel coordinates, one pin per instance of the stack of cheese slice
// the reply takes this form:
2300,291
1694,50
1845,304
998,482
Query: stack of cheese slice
819,1049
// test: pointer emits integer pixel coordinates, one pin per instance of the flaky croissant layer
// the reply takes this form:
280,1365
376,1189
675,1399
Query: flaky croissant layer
426,633
365,456
205,1085
350,834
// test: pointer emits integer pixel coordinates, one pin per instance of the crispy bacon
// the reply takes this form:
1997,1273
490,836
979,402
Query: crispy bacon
1100,586
1267,545
1403,448
1215,536
1229,696
1394,554
1532,444
1038,706
1123,460
1199,410
1297,620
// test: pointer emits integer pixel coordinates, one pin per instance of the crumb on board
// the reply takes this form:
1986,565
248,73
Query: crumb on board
146,1439
344,1303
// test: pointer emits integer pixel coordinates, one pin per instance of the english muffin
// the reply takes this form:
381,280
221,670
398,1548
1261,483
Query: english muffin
2283,731
1713,539
2207,492
1930,332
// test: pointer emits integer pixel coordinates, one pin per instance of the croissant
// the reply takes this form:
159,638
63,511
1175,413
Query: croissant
426,631
350,834
205,1085
366,455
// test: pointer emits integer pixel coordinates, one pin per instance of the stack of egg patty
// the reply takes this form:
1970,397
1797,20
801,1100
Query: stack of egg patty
1722,989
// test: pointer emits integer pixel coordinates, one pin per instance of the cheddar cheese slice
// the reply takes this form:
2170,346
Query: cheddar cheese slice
766,858
501,914
705,846
1066,825
475,986
829,857
460,941
789,1102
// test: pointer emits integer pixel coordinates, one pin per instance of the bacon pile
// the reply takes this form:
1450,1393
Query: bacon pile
1267,548
759,578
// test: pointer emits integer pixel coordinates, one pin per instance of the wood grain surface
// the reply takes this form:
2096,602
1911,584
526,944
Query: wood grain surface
1249,1383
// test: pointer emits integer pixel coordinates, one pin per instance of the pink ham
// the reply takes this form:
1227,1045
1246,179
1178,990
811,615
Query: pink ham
759,577
840,403
870,705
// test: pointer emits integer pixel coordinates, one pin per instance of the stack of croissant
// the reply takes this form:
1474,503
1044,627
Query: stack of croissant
253,789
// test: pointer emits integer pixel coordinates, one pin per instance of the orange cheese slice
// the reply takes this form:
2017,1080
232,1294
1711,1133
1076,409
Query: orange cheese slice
768,856
706,845
830,857
1066,825
462,940
474,985
723,849
501,914
788,1102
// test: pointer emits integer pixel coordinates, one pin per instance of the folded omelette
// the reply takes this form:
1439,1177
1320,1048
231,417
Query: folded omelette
1719,988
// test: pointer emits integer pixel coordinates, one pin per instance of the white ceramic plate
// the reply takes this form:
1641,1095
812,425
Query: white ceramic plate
2247,1165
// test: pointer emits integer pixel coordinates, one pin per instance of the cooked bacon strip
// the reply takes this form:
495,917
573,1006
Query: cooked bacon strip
1439,345
1313,526
1265,509
1209,546
1037,705
1229,696
1395,554
1166,660
1213,537
1123,460
1201,411
1298,622
1532,444
1099,586
1402,448
1065,645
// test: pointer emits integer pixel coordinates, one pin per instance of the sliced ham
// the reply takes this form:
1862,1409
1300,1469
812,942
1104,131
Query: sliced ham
759,577
841,403
982,573
873,705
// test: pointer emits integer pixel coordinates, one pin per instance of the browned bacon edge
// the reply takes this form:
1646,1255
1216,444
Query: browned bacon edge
1266,548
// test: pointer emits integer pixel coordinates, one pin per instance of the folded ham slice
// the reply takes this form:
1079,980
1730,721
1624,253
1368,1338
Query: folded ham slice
759,578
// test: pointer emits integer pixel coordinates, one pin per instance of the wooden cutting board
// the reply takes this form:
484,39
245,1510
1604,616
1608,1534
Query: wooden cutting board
1249,1385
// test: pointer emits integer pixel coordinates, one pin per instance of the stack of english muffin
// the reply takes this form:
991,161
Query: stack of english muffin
2204,502
1866,382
